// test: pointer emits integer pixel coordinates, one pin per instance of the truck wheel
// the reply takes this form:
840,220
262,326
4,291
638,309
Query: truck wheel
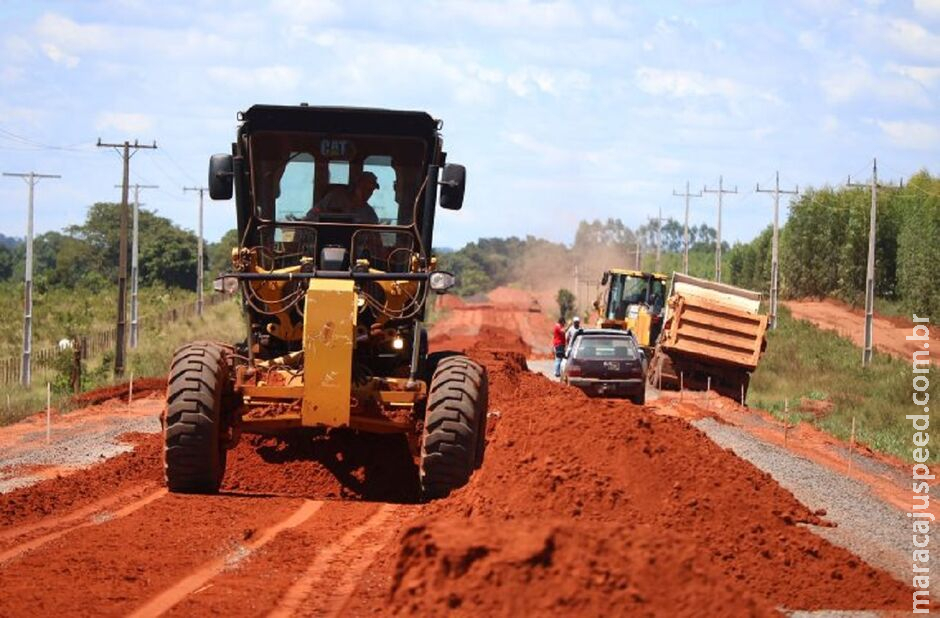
194,452
455,426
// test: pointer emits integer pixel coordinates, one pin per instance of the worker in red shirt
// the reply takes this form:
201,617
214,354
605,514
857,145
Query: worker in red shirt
558,344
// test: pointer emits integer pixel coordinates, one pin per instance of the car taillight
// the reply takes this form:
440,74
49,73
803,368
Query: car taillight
573,369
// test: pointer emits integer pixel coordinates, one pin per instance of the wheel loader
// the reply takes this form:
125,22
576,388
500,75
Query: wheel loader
333,274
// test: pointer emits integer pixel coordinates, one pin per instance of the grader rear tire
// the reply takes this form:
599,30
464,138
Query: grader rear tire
455,426
194,452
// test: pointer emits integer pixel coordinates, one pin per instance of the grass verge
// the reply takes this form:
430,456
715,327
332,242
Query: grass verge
222,322
803,361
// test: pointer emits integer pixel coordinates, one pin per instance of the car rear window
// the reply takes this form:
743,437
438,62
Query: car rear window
618,348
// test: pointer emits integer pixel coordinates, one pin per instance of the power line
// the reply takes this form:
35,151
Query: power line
32,178
182,170
36,145
720,191
685,227
774,252
120,340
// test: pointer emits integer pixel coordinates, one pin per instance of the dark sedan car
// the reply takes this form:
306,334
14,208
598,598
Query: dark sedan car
607,362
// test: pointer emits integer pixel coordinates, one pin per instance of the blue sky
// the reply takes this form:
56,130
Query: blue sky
560,110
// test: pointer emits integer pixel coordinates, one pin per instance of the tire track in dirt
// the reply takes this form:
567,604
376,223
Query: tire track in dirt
197,579
331,600
22,548
111,568
353,535
82,513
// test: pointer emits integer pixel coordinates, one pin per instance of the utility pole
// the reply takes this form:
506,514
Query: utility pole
639,257
774,251
199,260
659,236
120,341
134,261
685,228
31,178
870,270
720,191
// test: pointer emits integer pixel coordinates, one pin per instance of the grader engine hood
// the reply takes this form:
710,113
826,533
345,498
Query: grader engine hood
329,338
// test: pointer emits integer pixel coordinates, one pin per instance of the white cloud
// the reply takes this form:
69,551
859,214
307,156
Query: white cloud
912,38
810,40
759,133
666,165
911,134
854,79
928,8
276,78
529,79
69,37
308,11
844,83
124,122
517,15
59,57
685,84
925,76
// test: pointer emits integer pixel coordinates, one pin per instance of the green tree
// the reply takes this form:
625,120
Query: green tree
167,253
220,253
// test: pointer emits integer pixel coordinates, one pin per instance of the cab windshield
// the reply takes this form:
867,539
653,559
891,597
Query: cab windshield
294,173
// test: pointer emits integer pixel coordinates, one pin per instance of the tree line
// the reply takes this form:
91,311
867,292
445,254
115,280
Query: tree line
824,246
86,255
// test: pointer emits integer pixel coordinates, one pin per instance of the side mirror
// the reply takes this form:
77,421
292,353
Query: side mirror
453,181
605,278
220,177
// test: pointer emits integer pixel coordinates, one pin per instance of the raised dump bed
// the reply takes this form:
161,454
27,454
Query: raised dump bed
712,333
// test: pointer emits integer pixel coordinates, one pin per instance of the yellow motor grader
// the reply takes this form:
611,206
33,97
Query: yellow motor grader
335,212
632,300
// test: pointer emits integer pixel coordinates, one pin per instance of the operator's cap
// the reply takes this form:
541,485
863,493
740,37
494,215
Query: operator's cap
372,178
576,320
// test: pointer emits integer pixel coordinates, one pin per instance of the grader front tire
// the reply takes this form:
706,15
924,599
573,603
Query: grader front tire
194,452
455,426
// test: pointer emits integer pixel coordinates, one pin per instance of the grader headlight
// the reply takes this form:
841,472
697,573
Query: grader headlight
441,281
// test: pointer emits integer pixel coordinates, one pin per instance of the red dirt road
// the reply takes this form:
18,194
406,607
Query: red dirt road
888,334
582,507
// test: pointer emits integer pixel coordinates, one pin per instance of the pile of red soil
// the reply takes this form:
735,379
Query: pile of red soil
584,505
320,465
142,388
489,340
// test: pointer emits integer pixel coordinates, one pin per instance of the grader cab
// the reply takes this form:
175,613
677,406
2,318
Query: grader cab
632,300
334,274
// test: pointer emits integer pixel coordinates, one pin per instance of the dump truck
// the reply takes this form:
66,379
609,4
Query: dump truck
335,212
632,300
713,334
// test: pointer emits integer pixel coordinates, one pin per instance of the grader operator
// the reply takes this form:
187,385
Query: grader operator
335,211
